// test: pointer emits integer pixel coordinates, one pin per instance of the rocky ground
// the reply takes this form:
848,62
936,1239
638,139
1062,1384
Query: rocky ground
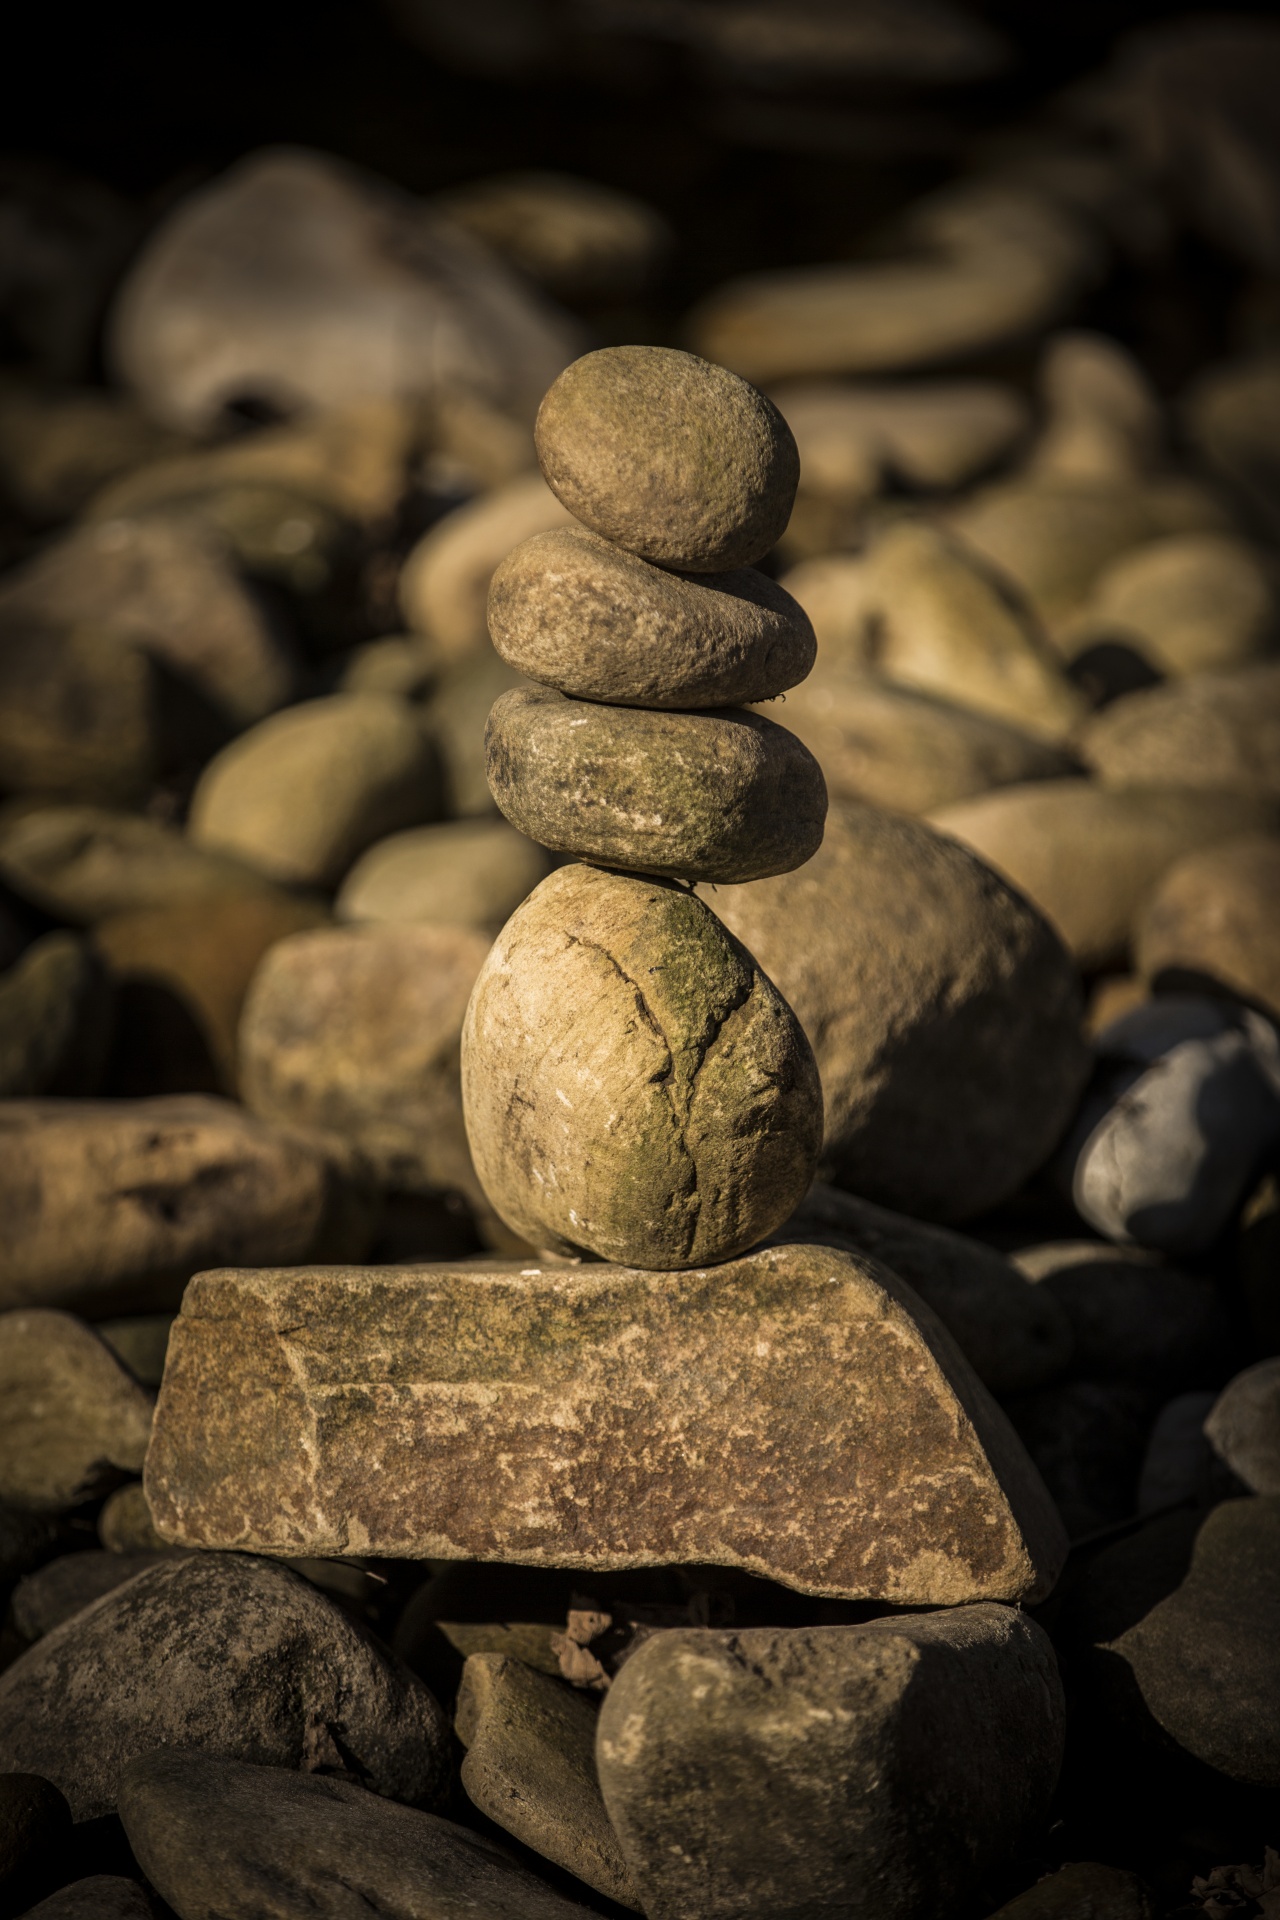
924,1558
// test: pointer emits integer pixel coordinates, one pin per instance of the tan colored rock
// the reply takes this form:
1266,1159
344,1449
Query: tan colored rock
141,1340
943,1011
444,583
673,458
79,713
910,751
1087,856
1014,1336
125,1525
59,445
356,1031
530,1765
575,612
111,1205
719,795
352,459
934,434
1191,603
403,664
1103,420
465,873
1232,417
301,795
1219,731
72,1420
300,281
1216,915
192,963
576,238
168,578
632,1081
83,863
985,261
797,1414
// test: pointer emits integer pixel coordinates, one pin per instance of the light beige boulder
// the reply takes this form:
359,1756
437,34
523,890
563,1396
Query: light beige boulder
907,750
723,794
356,1031
1216,915
112,1205
444,583
1191,603
943,1010
669,456
298,280
935,434
169,579
924,610
798,1414
465,873
575,612
301,795
72,1419
1088,856
633,1084
576,238
1216,731
83,863
984,262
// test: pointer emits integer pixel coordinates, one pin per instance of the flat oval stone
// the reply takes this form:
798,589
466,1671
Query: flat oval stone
721,795
577,613
632,1082
672,457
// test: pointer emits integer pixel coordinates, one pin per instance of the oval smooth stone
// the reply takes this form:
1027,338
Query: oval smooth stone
670,456
722,795
579,614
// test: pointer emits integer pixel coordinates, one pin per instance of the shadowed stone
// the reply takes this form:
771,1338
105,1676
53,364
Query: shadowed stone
799,1414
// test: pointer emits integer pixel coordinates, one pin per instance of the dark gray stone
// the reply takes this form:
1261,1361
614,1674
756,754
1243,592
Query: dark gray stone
35,1823
777,1772
73,1581
217,1837
228,1653
1131,1317
103,1896
1087,1438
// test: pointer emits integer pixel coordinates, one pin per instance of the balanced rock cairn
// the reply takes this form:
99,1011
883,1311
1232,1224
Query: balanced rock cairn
634,1084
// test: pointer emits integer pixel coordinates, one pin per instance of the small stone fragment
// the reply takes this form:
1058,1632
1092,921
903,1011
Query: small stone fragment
125,1525
1088,857
300,795
943,1011
723,795
225,1653
72,1421
55,1019
216,1836
1013,1335
530,1765
113,1205
575,612
632,1082
463,873
356,1031
669,456
1214,921
776,1771
1244,1426
798,1414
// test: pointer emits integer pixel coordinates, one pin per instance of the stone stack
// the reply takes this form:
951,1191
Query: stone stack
634,1085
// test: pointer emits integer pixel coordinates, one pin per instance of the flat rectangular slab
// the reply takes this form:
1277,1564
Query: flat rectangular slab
798,1413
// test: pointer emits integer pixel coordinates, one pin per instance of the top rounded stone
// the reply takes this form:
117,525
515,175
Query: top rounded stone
668,456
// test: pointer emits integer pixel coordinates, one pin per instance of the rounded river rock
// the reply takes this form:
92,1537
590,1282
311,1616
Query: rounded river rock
577,613
723,795
632,1081
673,458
